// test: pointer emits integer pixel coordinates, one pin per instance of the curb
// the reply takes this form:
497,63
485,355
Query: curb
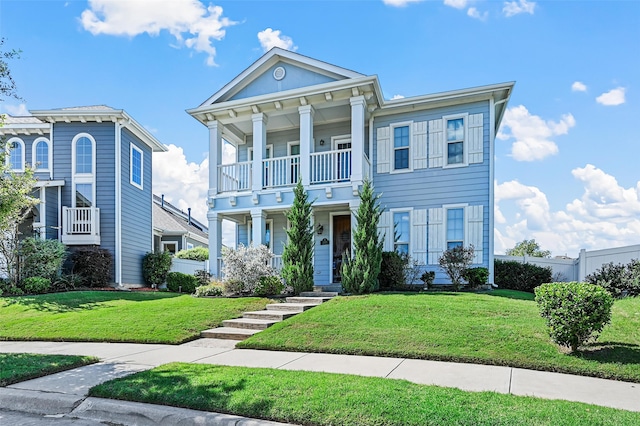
37,402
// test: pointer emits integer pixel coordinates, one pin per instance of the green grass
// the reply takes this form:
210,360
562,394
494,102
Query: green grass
502,328
334,399
16,368
94,316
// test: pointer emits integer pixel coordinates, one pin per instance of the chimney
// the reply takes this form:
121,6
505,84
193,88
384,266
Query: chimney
162,202
189,210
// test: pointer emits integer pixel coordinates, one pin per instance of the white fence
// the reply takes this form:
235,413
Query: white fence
187,266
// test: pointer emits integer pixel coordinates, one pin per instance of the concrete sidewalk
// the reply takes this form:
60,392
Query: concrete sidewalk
69,388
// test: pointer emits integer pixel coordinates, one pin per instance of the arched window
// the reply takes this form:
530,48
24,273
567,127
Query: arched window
41,154
15,156
84,165
84,155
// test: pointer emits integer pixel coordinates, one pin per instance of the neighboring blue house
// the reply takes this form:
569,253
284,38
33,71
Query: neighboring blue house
93,166
290,116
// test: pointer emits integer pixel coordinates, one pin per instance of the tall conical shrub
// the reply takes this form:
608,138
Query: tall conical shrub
297,257
360,272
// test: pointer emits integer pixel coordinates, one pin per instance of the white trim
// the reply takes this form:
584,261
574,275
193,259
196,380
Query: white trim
81,178
335,140
490,210
118,206
392,159
60,213
131,181
393,227
445,208
289,145
164,244
51,148
465,145
331,254
10,143
34,155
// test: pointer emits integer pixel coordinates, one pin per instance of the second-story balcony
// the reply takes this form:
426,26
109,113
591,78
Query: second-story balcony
328,167
81,226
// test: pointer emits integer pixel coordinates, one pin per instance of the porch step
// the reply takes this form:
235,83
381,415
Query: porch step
292,307
249,323
308,300
315,294
331,288
229,333
270,315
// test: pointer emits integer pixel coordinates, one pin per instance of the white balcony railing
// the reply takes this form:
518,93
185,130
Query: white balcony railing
81,225
280,171
234,177
330,167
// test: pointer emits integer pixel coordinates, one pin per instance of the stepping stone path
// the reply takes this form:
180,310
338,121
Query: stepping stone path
254,322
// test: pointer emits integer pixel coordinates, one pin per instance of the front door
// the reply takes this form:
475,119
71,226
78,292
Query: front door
341,244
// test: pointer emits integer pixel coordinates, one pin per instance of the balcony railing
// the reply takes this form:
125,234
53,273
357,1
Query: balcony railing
81,225
330,167
234,177
281,171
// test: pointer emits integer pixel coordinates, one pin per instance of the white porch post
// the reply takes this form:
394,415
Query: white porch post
259,149
306,142
353,207
215,242
358,105
258,226
215,155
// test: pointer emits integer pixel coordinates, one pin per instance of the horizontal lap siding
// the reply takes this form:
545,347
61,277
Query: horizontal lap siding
136,212
322,253
52,213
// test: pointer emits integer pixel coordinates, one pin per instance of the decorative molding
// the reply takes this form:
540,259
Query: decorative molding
278,197
328,192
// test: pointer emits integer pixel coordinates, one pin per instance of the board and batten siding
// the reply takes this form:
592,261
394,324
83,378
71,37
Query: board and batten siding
136,205
435,187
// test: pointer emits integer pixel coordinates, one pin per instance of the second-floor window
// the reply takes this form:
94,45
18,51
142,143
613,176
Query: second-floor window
15,157
41,154
84,155
455,141
84,160
401,147
136,166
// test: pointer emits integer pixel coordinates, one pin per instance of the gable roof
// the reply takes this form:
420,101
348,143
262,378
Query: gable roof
173,221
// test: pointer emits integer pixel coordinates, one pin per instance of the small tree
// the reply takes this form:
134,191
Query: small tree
155,267
41,258
297,257
360,272
455,261
528,248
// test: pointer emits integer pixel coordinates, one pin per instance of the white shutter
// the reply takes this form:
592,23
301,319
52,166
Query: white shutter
419,235
436,143
436,235
475,223
384,149
475,138
419,144
385,230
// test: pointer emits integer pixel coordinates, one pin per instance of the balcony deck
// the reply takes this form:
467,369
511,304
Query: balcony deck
81,226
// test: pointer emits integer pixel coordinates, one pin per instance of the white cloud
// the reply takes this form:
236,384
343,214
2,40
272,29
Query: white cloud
16,110
476,14
399,3
512,8
532,133
578,86
397,97
270,38
458,4
189,21
613,97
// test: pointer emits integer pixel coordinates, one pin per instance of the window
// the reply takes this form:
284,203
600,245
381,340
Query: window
83,160
455,227
170,247
455,141
268,226
84,195
189,246
402,232
136,166
401,147
294,150
15,157
41,154
84,155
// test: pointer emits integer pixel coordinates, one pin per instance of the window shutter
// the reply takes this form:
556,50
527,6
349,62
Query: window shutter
436,235
385,230
436,143
419,235
419,144
475,223
384,149
475,139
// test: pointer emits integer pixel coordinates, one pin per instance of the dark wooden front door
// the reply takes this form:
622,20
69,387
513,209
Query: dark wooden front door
341,243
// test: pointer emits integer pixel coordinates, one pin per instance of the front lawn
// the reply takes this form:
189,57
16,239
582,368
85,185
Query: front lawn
335,399
116,316
502,327
16,368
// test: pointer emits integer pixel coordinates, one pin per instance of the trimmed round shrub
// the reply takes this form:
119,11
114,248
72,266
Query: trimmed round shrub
94,265
197,253
155,267
178,282
514,275
210,290
575,312
36,285
268,286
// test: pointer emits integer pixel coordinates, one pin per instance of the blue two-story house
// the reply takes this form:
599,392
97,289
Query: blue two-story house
292,117
93,168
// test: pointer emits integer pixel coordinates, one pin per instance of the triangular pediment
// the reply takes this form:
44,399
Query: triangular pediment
280,70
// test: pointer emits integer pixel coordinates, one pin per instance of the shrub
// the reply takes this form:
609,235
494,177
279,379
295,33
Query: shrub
269,286
247,265
391,271
66,282
94,265
41,258
197,253
36,285
575,312
618,279
210,290
7,288
178,282
204,277
234,286
476,277
427,278
155,267
520,276
455,261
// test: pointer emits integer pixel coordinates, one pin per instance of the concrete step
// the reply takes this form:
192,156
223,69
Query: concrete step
307,300
328,294
292,307
332,287
229,333
249,323
270,315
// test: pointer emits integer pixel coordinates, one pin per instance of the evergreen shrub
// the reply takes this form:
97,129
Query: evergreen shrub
94,265
514,275
178,282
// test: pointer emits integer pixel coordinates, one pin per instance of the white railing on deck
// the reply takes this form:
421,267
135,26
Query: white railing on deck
331,166
81,220
280,171
234,177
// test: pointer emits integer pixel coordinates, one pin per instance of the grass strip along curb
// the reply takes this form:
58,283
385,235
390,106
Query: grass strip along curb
309,398
16,368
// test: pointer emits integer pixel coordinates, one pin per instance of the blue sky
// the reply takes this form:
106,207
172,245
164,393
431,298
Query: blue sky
567,154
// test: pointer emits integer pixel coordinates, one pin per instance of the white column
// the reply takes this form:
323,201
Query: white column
215,242
306,142
358,105
353,207
258,226
259,149
215,155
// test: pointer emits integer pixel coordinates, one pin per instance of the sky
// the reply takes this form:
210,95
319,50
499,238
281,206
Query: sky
566,156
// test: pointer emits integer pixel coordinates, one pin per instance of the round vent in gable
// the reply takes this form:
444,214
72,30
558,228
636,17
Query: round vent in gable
279,73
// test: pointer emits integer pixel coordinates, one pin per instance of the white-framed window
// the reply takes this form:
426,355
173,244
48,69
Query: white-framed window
170,246
41,153
455,227
293,149
83,158
15,155
136,166
189,246
401,137
402,231
455,140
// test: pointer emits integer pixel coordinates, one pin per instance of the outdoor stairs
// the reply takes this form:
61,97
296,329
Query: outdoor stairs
254,322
